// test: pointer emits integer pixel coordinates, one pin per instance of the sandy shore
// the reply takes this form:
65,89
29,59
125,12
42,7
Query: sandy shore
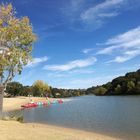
12,130
10,104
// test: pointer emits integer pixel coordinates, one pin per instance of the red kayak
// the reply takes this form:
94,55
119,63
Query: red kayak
29,105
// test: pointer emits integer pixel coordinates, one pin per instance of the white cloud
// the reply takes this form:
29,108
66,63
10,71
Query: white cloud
125,37
89,15
126,44
127,56
37,61
87,50
72,65
97,14
105,15
82,71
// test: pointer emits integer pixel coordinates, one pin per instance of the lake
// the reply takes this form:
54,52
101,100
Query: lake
117,116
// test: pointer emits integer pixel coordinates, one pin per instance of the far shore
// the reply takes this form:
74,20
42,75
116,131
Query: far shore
13,130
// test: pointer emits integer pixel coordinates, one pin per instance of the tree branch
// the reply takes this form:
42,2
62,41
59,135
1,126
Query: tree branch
10,76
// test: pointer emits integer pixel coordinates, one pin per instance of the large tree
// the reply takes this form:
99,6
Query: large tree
16,40
14,88
40,88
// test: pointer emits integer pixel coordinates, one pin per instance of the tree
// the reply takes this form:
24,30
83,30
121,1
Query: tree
100,91
138,87
16,40
14,88
26,91
54,92
40,88
130,86
118,89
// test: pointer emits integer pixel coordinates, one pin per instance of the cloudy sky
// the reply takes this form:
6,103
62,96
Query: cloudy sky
81,43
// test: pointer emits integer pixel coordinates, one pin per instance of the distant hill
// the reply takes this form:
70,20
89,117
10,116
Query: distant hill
123,85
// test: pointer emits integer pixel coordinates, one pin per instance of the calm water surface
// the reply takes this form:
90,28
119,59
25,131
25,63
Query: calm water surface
117,116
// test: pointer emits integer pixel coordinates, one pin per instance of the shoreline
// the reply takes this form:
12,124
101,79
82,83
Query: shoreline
15,130
14,103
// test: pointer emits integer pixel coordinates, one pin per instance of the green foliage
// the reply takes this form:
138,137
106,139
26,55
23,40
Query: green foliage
100,91
123,85
130,86
118,89
40,88
57,95
17,89
63,93
16,38
14,88
26,91
138,87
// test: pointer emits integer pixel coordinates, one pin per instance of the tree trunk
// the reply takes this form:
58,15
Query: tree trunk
1,100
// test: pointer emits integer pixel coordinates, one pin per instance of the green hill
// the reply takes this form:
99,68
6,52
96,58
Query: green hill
123,85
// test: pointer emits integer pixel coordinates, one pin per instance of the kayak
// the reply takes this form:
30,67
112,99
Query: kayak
60,101
30,105
56,101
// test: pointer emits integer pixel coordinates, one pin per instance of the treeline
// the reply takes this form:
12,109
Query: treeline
56,93
40,89
123,85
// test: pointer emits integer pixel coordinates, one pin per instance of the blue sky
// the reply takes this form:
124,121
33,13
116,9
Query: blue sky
81,43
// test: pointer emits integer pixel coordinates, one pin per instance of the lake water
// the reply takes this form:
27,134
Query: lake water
117,116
